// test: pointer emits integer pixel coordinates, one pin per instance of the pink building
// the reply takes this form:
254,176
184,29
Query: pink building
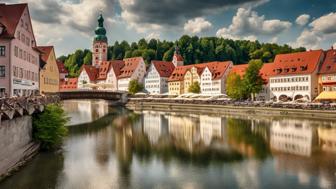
19,58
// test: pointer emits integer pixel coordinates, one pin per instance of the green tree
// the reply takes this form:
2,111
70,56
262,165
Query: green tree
194,88
234,86
135,86
252,79
49,127
148,55
88,58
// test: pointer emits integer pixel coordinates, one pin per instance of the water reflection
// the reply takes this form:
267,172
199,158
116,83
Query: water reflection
81,111
150,149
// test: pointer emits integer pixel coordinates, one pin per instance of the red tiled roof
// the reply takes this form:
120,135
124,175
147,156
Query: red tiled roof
91,71
165,69
297,63
216,68
130,65
68,84
178,73
61,67
103,70
266,71
239,69
329,63
9,17
117,65
46,50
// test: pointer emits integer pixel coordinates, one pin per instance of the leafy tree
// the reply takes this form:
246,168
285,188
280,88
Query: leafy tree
148,55
252,79
88,58
194,88
49,127
135,86
193,49
234,86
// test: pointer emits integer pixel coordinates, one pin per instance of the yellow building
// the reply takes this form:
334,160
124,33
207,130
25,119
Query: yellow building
49,74
176,80
190,77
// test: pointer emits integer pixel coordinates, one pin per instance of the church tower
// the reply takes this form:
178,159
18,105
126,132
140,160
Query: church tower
177,58
99,48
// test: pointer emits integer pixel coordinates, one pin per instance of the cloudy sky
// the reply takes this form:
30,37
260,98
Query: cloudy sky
69,24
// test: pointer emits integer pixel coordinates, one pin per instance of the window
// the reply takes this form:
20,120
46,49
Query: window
2,50
16,51
2,71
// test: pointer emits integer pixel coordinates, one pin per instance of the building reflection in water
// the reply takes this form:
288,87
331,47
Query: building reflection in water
292,136
85,111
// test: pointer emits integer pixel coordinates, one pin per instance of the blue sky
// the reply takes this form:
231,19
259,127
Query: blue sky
69,24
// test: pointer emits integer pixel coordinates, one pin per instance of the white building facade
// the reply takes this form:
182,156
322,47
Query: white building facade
156,79
134,69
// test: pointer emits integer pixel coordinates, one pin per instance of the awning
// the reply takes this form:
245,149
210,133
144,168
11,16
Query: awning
105,85
326,95
90,85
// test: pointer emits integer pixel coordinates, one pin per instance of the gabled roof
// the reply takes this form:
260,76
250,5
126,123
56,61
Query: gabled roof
61,67
91,71
130,65
165,69
329,63
179,72
46,50
103,70
9,17
239,69
117,65
297,63
216,68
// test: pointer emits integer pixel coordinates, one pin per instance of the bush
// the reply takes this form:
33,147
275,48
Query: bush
194,88
49,127
135,86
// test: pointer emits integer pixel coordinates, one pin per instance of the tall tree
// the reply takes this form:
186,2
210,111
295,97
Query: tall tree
252,79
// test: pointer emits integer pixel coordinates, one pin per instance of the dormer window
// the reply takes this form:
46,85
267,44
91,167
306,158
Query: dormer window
279,70
294,69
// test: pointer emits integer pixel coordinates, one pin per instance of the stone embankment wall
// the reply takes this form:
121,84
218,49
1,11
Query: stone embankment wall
230,109
16,143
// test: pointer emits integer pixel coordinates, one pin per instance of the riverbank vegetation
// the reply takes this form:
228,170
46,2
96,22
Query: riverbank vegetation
193,49
135,87
49,127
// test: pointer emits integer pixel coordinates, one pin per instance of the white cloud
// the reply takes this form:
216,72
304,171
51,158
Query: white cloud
153,35
322,29
302,19
197,25
325,24
247,22
308,39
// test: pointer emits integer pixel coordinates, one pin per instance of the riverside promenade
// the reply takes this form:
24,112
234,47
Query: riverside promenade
296,110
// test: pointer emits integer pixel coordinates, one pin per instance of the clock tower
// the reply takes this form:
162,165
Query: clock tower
99,48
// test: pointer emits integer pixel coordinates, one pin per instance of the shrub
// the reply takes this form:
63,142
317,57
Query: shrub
194,88
49,127
135,86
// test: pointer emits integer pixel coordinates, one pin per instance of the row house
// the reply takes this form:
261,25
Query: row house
176,80
134,69
49,73
19,57
156,79
294,75
63,72
327,77
213,77
68,84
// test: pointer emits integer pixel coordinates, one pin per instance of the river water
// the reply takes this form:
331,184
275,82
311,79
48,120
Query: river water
117,148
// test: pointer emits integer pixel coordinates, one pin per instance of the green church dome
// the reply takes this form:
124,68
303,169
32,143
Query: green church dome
100,31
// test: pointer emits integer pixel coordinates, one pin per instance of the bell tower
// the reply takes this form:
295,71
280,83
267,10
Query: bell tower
99,47
177,58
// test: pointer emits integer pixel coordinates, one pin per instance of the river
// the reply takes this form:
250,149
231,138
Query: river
112,147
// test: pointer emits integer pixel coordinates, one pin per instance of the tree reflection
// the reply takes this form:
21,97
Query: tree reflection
242,138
